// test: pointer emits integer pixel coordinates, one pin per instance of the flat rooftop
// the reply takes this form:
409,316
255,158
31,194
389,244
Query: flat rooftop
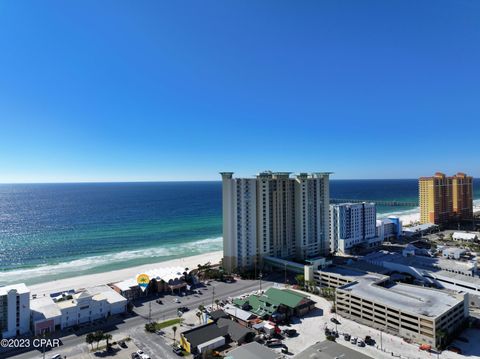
44,308
21,288
252,350
353,274
404,297
330,350
429,263
420,227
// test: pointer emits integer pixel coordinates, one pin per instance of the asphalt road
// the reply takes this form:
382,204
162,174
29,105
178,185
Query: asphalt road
133,326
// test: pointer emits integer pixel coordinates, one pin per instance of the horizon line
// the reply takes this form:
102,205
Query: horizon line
199,180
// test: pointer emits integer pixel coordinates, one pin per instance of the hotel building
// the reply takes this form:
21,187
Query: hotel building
462,196
14,310
445,198
353,225
274,215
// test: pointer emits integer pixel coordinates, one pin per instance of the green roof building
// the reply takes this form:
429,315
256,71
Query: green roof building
276,301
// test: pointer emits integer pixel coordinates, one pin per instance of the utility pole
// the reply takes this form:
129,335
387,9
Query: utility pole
213,296
285,264
260,277
149,312
43,347
381,341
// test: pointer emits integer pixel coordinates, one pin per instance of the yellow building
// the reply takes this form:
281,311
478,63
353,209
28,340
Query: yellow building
443,198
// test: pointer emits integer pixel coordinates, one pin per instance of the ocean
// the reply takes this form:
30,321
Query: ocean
55,231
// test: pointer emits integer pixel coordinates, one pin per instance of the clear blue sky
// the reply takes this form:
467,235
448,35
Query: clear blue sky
172,90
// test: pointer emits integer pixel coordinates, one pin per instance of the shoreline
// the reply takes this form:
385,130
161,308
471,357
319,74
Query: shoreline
411,217
408,217
90,280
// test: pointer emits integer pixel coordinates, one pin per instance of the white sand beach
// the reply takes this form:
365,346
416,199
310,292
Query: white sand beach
414,217
90,280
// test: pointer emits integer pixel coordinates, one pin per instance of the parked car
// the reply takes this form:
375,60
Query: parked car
274,342
347,337
135,356
159,301
360,343
123,344
56,356
353,340
369,340
334,320
176,300
183,309
290,332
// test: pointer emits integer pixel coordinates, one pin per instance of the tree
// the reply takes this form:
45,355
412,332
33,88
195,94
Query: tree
90,339
217,302
98,335
441,335
300,279
199,315
107,337
174,328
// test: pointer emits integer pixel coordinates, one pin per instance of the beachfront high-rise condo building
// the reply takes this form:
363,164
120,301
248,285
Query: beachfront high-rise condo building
274,214
353,225
462,196
443,199
14,310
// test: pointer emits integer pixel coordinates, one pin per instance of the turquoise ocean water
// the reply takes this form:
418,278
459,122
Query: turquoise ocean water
54,231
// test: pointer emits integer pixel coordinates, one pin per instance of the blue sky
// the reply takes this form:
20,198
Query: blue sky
180,90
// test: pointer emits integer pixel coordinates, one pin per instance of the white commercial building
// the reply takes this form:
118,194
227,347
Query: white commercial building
274,215
74,308
161,280
466,237
353,225
461,276
389,228
14,310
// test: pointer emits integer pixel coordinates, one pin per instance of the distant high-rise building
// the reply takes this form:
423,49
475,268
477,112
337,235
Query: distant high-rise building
443,198
353,225
462,196
275,215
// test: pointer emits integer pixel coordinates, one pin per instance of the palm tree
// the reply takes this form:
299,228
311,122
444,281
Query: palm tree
107,337
98,335
217,301
90,339
441,335
201,308
199,315
300,278
174,328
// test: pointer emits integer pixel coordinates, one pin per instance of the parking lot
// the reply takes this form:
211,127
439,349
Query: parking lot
311,328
